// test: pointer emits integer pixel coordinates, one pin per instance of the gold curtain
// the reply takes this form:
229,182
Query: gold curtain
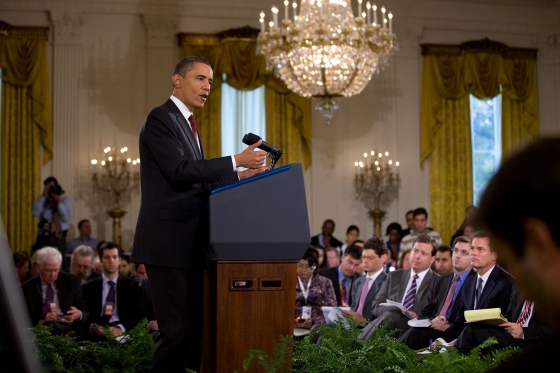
233,52
26,125
450,73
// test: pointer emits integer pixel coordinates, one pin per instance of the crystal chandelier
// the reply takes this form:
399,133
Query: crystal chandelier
377,185
324,51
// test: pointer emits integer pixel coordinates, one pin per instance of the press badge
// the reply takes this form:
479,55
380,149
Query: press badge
53,306
306,312
109,307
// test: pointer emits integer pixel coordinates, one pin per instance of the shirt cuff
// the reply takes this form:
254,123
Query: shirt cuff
233,162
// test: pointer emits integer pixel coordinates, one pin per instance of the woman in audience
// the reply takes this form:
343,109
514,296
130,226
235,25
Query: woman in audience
469,229
393,232
332,257
125,269
23,264
404,262
321,252
470,212
312,292
352,234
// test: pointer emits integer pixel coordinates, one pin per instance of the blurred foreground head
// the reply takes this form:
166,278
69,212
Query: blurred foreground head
521,209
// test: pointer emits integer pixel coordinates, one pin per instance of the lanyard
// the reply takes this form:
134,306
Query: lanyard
305,291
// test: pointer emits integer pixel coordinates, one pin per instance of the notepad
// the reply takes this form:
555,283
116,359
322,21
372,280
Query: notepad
490,316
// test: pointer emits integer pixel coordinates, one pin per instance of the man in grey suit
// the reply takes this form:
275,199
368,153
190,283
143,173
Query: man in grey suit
172,229
407,286
374,256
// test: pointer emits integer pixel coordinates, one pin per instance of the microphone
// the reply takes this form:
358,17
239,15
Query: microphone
273,152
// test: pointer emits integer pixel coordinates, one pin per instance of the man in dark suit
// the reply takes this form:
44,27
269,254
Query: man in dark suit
172,228
444,298
365,289
490,288
407,286
325,238
343,276
524,328
81,264
112,299
54,297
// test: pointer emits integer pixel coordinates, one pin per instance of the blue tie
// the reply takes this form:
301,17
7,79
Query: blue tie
410,295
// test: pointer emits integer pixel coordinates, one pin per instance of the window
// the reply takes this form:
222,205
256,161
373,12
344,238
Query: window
486,138
242,112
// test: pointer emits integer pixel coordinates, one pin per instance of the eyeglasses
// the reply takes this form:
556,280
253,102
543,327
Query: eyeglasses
462,252
304,267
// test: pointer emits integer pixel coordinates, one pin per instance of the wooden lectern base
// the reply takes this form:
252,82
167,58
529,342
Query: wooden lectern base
248,305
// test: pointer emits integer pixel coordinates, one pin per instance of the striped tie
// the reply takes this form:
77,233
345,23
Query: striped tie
525,314
410,295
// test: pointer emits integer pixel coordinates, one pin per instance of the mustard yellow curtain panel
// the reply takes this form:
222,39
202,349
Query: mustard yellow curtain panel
449,75
26,125
233,52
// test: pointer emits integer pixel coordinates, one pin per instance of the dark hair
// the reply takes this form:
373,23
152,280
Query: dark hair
424,238
445,249
354,251
352,228
420,211
329,221
526,185
184,65
81,222
126,258
108,246
392,226
409,212
464,239
20,257
312,257
50,179
484,234
376,244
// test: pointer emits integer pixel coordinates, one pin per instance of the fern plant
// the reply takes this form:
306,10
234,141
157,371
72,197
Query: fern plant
278,363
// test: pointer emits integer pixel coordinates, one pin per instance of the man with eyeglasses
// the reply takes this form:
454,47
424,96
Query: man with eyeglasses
344,275
81,264
53,297
406,286
444,298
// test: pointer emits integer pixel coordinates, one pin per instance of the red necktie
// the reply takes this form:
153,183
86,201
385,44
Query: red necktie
193,127
449,298
343,294
525,314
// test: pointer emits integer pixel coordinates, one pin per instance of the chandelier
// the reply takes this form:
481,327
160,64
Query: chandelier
324,51
377,185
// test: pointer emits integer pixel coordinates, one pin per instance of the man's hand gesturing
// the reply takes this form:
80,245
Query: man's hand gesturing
249,158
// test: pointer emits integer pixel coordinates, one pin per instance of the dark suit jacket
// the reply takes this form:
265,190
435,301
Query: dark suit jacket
373,290
496,294
129,301
437,295
172,227
147,298
334,241
536,329
332,274
69,294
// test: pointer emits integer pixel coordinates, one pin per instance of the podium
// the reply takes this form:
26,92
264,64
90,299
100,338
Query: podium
259,230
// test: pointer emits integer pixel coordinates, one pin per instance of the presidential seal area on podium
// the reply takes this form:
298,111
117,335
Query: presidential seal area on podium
259,230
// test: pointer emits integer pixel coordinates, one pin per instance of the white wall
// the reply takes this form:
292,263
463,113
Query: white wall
111,61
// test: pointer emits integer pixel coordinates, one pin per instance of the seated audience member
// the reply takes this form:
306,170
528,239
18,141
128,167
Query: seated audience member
443,264
409,227
112,299
321,253
420,227
85,239
325,238
312,292
404,261
81,264
54,297
139,271
444,298
148,306
352,234
522,329
343,276
97,266
407,286
125,269
34,270
332,257
394,242
470,213
360,269
490,288
22,263
520,209
365,289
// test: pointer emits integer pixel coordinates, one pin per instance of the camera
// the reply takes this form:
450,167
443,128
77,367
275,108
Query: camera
55,189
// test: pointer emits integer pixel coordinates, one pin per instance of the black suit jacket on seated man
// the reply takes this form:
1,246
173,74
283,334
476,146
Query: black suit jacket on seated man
69,293
128,301
417,338
332,274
